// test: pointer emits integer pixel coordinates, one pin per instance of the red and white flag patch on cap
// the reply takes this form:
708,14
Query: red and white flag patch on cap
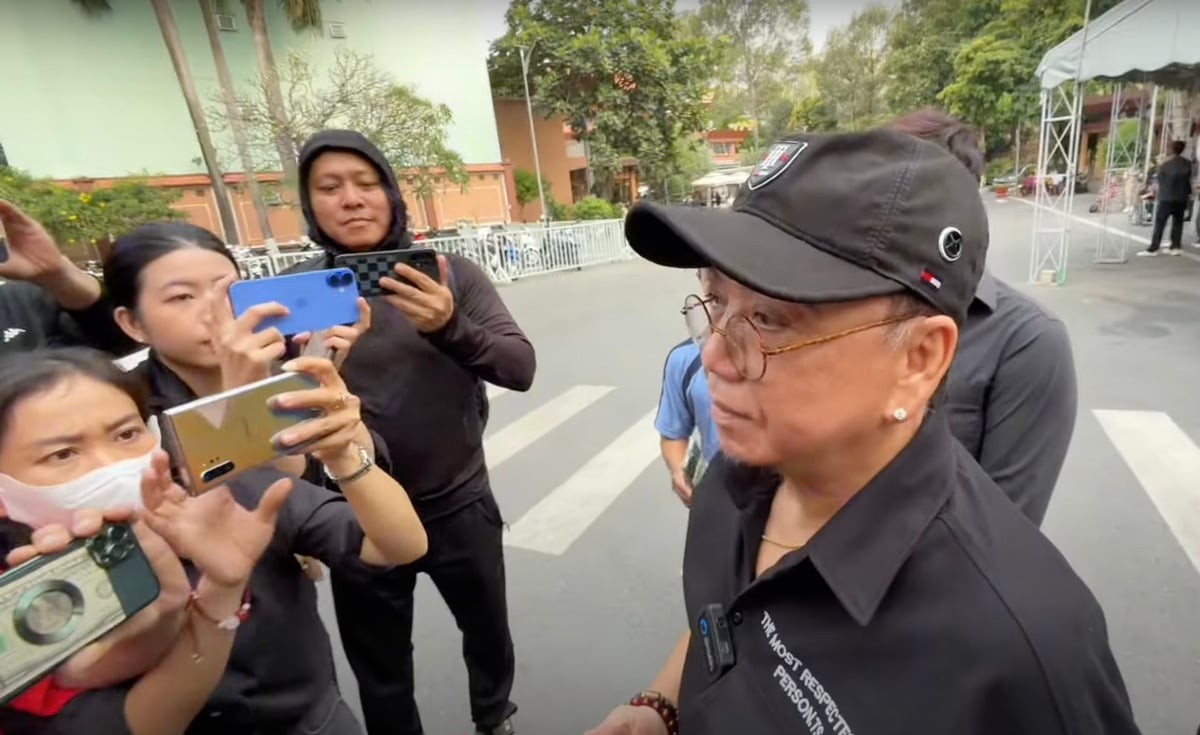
931,279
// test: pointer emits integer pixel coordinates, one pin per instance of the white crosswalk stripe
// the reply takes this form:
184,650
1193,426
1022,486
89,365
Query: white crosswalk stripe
565,514
560,517
501,446
1167,464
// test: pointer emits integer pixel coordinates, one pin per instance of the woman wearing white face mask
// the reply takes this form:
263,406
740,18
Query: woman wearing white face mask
167,282
55,457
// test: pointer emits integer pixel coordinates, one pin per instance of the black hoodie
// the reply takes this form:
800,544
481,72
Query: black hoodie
419,392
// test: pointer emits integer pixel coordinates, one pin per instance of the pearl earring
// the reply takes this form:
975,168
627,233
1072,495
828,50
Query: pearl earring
900,414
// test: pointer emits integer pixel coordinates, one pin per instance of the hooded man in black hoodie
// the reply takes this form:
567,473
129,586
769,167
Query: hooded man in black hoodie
419,372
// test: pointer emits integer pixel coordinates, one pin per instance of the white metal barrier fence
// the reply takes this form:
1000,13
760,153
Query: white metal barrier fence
504,255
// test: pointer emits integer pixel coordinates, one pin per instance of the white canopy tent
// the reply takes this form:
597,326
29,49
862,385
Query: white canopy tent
1153,42
725,182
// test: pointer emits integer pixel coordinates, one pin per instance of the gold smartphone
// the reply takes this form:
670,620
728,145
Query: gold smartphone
212,440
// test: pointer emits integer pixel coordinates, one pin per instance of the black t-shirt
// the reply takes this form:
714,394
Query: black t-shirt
281,664
928,604
30,319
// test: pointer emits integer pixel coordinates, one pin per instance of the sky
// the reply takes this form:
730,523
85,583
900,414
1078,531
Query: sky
825,15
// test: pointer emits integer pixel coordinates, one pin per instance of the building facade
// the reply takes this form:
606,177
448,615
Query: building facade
90,99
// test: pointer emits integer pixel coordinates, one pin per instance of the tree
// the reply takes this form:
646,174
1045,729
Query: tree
304,15
923,41
236,127
759,41
618,71
187,85
527,188
357,94
994,86
851,73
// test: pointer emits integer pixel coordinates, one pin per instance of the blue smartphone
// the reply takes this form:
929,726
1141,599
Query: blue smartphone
315,301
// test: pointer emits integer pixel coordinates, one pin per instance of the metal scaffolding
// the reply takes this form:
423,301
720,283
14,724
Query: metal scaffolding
1124,167
1058,150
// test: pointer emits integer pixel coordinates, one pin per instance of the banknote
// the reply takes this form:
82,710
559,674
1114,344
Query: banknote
49,611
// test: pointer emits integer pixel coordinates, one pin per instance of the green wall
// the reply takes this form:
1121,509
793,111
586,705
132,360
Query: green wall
98,97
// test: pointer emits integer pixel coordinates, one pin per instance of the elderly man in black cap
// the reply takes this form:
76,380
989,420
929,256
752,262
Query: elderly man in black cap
849,567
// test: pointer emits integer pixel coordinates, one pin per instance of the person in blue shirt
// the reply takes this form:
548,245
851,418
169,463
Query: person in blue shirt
684,410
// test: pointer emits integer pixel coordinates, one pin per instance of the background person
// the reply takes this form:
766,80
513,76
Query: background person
1011,396
422,364
1174,192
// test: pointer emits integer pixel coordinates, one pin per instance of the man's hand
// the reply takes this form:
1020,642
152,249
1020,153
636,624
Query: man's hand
682,486
630,720
427,303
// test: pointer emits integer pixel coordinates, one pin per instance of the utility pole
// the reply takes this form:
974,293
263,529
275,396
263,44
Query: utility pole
525,52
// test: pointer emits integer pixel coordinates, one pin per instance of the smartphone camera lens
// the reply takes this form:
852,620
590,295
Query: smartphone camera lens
215,473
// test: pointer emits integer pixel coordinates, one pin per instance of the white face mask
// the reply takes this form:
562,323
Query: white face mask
106,487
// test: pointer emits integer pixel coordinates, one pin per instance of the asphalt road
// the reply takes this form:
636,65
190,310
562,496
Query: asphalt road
594,614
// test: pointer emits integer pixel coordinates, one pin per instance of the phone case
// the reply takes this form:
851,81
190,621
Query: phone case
53,606
370,267
212,440
316,300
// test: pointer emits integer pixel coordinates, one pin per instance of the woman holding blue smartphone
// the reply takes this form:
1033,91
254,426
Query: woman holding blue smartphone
168,282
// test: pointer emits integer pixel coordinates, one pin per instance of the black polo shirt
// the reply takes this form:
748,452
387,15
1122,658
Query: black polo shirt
928,605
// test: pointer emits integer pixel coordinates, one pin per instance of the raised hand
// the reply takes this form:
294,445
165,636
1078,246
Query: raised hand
330,437
32,253
338,339
427,303
223,539
245,355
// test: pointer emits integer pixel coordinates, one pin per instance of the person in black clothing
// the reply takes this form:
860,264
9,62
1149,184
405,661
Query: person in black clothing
1174,192
346,510
419,372
45,299
849,567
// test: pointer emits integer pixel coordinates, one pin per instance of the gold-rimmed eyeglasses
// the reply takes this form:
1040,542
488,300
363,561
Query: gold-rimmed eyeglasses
747,349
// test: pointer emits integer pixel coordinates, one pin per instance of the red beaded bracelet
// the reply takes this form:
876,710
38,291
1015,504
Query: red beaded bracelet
662,706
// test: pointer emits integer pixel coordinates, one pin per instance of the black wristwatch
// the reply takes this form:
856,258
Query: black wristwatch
364,457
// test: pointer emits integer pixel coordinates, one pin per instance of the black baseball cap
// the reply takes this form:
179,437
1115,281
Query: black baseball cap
827,218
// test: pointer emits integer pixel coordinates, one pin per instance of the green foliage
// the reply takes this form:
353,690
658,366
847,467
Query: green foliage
596,208
852,74
618,71
812,114
761,45
1128,132
527,188
79,219
559,212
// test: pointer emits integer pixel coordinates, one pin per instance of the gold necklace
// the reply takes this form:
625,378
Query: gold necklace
780,544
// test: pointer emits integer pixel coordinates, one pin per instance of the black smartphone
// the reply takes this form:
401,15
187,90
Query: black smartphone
370,267
53,606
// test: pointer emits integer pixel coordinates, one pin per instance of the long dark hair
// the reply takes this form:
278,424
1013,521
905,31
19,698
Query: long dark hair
142,246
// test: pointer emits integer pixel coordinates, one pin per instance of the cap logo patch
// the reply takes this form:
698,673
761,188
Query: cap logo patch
774,162
950,244
931,279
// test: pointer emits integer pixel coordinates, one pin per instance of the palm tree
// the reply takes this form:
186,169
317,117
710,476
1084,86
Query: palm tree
236,125
170,34
304,15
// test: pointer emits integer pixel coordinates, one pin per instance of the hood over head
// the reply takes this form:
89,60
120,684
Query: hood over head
352,141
